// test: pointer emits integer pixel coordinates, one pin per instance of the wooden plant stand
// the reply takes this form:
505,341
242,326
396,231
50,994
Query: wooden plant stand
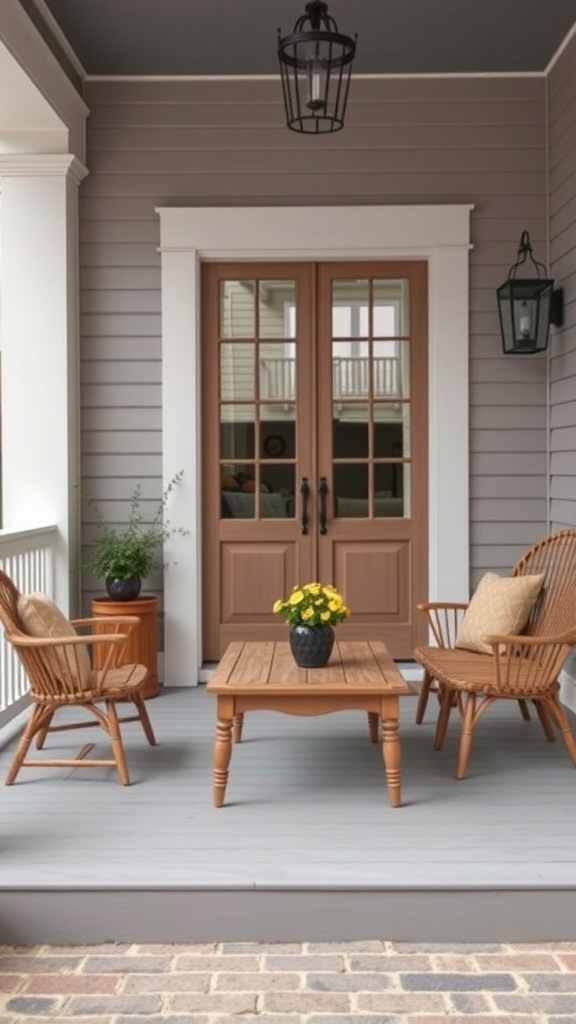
142,647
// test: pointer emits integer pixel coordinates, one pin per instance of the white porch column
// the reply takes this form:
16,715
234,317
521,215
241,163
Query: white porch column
40,352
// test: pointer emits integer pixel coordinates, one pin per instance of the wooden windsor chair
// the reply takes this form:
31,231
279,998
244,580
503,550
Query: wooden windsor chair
524,667
54,654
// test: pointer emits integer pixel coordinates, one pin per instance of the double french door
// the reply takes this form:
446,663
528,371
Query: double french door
314,445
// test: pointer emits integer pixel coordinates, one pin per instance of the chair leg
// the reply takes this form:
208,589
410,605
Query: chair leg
555,708
35,724
466,735
116,741
446,705
423,698
545,722
43,732
143,716
524,710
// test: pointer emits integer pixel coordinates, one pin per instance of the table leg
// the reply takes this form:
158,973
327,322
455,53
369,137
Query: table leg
222,755
238,726
373,726
391,749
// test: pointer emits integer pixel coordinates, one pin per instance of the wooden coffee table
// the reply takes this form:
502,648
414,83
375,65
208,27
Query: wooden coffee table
360,675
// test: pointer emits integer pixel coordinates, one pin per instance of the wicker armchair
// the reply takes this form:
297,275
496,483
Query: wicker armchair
523,668
60,676
555,556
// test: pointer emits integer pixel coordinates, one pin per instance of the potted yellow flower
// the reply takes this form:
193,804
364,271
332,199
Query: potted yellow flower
311,611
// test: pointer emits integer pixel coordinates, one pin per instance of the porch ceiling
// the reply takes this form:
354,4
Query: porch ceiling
230,37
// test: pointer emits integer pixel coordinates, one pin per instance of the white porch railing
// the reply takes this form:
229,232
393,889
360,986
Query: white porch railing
27,557
350,378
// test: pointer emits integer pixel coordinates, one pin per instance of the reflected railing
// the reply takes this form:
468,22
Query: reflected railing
28,558
350,378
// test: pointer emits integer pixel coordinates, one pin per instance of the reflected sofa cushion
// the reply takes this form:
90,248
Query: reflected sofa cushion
355,508
40,617
241,505
500,604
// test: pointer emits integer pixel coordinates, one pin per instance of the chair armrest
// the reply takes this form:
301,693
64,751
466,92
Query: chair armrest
444,618
498,640
426,606
529,663
102,620
66,641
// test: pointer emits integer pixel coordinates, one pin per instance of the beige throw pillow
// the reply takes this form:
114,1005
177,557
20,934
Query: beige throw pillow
500,604
42,618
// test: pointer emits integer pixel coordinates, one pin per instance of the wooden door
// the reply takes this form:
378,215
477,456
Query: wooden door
314,445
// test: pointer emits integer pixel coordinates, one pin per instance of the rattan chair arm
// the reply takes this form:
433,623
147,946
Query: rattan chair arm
497,641
108,620
428,606
66,641
444,619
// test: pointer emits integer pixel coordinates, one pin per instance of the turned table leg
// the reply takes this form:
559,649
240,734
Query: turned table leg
222,754
391,749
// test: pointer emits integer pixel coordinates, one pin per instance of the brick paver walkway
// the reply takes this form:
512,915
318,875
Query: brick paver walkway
368,982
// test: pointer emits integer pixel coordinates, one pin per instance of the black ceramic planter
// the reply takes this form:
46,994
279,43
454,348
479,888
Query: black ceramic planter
311,646
123,590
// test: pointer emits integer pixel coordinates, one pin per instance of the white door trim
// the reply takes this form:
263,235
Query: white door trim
438,234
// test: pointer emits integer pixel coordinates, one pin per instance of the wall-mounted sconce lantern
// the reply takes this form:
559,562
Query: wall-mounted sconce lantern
528,305
315,64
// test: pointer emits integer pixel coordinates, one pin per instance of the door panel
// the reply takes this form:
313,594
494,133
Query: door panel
314,446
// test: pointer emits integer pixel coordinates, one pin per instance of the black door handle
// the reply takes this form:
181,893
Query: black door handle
305,495
323,491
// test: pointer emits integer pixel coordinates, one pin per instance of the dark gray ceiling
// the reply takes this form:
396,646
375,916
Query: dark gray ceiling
238,37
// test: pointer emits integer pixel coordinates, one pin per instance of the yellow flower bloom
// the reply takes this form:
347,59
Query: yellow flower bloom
314,603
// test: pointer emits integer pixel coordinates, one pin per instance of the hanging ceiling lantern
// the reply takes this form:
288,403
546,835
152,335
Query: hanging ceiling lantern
315,64
527,306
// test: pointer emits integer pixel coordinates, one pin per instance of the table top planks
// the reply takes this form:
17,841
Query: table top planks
362,666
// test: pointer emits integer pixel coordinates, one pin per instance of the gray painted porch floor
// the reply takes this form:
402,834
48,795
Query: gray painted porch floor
306,813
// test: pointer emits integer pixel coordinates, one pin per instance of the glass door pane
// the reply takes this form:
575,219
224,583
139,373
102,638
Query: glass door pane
257,393
371,397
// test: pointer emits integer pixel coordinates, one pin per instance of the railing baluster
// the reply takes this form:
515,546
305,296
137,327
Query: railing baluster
27,557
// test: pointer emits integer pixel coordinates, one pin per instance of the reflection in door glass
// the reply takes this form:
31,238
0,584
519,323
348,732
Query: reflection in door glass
390,308
392,487
391,369
277,491
237,431
350,430
277,309
237,371
237,312
277,371
392,431
351,491
237,488
350,369
277,439
350,300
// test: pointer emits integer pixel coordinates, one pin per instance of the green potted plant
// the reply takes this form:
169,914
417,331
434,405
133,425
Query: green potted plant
124,556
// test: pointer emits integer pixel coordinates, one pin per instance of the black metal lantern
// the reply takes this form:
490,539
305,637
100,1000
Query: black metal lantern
528,305
315,64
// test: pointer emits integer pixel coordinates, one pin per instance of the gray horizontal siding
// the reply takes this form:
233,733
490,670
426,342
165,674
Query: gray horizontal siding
562,188
474,140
